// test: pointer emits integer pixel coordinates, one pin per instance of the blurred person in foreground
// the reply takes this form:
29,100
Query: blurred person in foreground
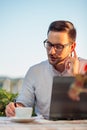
62,61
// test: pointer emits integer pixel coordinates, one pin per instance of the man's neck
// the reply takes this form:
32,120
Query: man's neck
60,67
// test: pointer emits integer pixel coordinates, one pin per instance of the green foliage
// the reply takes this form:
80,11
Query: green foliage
5,98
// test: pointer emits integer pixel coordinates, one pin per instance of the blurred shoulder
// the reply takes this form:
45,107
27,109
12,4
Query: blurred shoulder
40,65
38,69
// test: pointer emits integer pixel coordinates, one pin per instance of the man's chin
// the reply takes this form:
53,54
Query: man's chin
53,62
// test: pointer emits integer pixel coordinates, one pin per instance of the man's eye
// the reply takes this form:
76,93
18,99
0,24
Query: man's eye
49,44
59,47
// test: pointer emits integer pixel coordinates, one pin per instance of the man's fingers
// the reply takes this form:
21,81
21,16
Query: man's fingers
10,109
75,55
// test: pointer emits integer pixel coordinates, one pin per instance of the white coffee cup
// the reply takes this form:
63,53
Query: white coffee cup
23,112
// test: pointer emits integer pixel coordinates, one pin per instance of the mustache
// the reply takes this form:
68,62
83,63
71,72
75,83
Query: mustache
53,56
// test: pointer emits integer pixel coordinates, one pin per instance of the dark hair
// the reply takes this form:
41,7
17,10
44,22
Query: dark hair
65,26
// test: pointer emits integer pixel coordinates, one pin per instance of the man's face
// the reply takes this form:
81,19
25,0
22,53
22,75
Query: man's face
55,53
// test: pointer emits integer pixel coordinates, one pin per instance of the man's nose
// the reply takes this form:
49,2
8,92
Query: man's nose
52,51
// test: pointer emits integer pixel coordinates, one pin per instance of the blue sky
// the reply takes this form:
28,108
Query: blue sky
23,28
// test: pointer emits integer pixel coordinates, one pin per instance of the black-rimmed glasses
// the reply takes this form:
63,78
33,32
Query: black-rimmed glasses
58,47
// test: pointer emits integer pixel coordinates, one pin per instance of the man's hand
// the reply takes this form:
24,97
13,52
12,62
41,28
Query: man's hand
75,62
10,109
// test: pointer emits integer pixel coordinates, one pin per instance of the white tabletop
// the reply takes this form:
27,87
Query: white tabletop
41,124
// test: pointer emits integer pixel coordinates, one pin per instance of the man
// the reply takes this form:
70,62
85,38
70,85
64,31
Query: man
62,61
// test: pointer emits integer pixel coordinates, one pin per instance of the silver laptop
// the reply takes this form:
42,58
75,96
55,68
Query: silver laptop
62,107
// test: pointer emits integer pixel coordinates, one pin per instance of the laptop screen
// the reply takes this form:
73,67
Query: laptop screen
62,106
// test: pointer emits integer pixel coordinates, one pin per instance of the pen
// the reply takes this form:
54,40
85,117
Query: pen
15,103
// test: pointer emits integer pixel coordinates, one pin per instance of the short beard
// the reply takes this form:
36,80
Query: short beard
59,61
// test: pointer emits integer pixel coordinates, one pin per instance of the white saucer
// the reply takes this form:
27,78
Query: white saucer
22,120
